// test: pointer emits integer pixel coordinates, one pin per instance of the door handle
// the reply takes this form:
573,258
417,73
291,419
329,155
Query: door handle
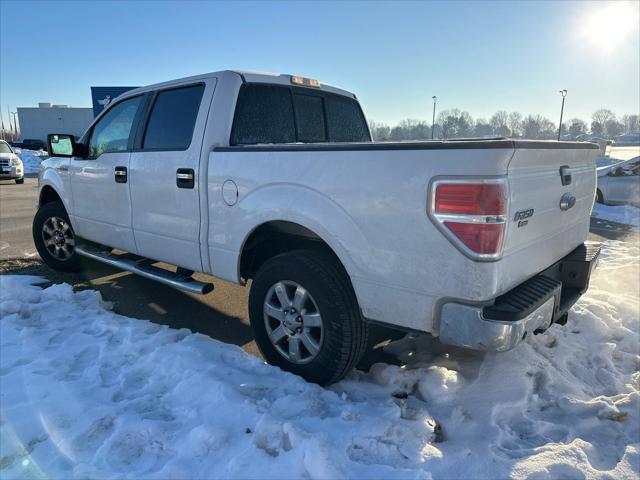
185,178
120,174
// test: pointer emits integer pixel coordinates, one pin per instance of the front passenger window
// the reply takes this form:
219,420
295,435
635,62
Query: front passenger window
111,133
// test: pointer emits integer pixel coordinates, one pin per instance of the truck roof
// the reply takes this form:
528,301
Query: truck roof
247,76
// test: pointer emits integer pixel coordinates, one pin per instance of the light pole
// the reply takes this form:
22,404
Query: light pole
433,119
15,125
564,94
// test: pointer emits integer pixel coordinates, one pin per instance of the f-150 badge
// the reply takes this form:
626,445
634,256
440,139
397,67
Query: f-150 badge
522,215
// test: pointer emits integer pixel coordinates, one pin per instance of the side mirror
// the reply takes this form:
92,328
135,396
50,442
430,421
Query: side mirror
63,145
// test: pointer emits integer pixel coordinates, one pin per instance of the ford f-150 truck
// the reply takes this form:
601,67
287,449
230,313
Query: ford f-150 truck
274,179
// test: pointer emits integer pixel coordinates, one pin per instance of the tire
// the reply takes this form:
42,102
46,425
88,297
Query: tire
20,181
54,238
599,197
342,337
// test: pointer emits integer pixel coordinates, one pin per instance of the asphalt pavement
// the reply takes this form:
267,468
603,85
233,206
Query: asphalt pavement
221,314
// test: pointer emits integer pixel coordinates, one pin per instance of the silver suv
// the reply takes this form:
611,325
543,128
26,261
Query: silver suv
11,167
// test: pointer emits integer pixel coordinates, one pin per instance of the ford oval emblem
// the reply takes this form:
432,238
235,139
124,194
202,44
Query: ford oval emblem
567,201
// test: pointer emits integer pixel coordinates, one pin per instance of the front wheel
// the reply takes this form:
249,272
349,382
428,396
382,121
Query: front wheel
54,238
20,181
305,316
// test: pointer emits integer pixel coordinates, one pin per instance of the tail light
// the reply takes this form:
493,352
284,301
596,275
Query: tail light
472,214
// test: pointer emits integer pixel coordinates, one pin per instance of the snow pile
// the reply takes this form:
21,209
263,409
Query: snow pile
31,159
627,214
88,393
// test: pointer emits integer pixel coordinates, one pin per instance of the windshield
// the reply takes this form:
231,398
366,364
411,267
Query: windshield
5,148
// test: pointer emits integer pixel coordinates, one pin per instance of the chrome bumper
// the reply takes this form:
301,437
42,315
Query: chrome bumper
11,174
533,305
465,326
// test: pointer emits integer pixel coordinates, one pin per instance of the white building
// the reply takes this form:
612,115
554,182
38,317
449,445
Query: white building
37,123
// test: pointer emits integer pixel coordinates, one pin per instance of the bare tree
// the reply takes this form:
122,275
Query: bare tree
602,116
577,127
379,131
614,128
597,129
537,126
499,122
631,123
455,123
515,124
482,128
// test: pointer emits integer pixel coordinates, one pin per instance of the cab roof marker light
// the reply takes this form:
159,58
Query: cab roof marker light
307,82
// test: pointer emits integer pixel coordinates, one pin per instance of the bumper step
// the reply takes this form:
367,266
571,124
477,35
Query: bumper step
144,268
524,299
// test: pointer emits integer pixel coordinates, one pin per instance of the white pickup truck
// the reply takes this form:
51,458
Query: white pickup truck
275,179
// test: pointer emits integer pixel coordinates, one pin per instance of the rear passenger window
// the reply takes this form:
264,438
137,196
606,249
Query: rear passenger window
173,118
310,118
264,114
345,120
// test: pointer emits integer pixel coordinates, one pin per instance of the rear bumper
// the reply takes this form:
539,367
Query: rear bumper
528,308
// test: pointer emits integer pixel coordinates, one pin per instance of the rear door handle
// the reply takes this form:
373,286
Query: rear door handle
120,174
185,178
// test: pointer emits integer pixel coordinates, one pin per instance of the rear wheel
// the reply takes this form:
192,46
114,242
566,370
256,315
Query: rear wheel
19,181
599,197
305,316
54,238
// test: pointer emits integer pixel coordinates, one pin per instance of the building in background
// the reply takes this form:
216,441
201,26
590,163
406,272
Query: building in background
103,96
38,122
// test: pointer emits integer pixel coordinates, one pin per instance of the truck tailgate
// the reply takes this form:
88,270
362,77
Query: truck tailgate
539,230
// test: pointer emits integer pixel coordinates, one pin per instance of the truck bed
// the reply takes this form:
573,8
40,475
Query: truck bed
369,203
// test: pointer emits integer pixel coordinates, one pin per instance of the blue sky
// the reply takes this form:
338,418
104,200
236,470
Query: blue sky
477,56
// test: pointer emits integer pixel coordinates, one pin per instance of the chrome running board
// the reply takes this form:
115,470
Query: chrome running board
144,268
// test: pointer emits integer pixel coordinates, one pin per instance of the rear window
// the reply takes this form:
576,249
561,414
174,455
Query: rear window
264,114
173,118
345,120
309,112
281,114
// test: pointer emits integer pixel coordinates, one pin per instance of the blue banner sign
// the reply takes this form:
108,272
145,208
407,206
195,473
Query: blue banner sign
102,96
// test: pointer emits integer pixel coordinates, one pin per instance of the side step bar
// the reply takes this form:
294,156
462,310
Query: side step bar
145,269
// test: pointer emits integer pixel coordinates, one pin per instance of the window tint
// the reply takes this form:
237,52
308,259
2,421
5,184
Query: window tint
345,120
264,115
173,118
309,113
111,133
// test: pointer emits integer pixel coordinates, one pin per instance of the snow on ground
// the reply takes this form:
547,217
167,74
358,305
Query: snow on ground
627,214
31,159
86,393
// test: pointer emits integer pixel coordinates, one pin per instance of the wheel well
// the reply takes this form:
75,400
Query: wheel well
48,195
276,237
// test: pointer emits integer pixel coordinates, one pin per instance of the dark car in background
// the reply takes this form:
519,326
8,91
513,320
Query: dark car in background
33,144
